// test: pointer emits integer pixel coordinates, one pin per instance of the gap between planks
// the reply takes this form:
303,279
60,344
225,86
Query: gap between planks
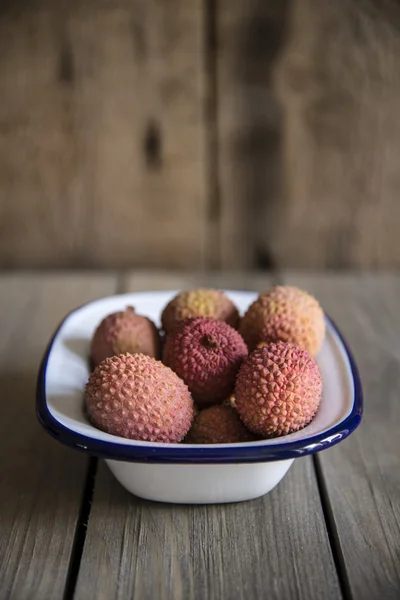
333,536
81,528
87,497
359,477
41,480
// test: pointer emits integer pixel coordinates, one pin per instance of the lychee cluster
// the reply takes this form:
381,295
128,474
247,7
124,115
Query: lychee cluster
218,378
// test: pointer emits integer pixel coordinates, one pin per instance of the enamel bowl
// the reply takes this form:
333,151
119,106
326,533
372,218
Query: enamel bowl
184,473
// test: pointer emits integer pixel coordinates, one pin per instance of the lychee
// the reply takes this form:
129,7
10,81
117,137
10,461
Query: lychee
219,424
206,354
135,396
278,389
199,303
284,313
124,331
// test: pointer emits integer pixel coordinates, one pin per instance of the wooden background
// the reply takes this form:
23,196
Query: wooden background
199,133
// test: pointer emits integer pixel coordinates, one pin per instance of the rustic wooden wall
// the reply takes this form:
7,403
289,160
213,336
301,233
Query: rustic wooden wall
199,133
102,137
338,79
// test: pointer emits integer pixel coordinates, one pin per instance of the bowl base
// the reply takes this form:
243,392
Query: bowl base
199,484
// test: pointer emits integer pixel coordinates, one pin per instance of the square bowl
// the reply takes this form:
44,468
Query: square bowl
185,473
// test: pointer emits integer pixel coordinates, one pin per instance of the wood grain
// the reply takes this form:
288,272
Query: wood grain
139,549
362,474
174,280
190,134
339,86
249,36
277,544
41,481
102,139
307,96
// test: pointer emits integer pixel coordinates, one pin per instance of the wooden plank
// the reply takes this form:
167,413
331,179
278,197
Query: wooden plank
249,36
102,135
175,280
41,481
339,87
276,544
362,474
308,134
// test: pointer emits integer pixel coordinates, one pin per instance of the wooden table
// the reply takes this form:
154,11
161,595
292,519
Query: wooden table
330,530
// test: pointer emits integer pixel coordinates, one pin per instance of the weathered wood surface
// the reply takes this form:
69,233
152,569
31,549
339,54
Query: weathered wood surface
41,481
199,133
170,280
249,37
308,94
339,84
277,544
102,135
362,474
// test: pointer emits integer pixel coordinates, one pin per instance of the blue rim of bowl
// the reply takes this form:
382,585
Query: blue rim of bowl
185,454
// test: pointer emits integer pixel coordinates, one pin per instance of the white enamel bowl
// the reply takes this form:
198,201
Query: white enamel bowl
183,473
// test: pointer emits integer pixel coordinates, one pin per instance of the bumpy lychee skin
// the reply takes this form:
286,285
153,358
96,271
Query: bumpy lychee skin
199,303
135,396
206,354
278,389
284,313
124,331
219,424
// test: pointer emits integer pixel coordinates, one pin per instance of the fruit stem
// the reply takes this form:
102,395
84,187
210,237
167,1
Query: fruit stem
209,341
